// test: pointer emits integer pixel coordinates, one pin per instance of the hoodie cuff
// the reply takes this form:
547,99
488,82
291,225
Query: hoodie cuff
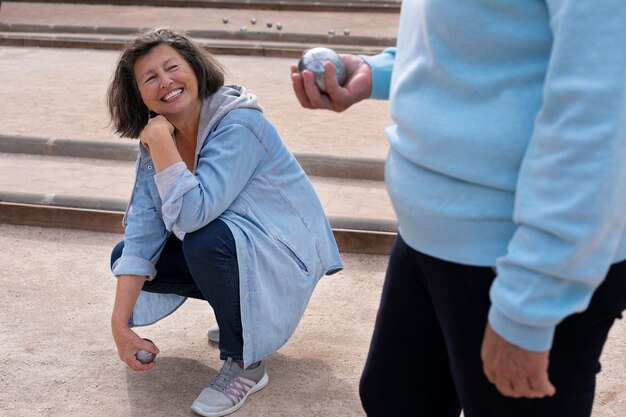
538,339
382,66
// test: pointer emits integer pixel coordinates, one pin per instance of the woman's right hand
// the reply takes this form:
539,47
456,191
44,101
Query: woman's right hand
128,344
158,128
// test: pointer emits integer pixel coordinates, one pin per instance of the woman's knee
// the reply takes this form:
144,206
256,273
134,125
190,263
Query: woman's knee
116,253
213,239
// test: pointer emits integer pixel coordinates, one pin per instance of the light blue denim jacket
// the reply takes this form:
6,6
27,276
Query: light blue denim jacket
246,176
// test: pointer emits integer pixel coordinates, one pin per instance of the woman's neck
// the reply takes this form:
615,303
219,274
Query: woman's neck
186,124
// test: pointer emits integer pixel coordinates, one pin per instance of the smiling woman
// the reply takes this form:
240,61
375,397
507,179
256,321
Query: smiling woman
220,211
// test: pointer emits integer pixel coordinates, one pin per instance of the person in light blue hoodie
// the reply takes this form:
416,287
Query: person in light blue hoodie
220,211
507,171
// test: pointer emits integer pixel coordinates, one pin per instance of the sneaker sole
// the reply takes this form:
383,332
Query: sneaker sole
259,386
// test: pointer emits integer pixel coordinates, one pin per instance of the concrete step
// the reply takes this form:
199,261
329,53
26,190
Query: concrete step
83,191
220,31
391,6
247,47
115,19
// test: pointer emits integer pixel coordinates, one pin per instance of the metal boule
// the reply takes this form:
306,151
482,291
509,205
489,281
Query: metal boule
314,59
144,356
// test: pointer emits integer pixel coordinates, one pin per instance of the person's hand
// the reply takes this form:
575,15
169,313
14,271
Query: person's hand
158,128
514,371
128,344
357,86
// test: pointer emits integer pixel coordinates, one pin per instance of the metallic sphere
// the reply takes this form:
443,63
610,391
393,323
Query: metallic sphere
346,31
279,26
331,32
253,20
144,356
314,60
225,19
269,24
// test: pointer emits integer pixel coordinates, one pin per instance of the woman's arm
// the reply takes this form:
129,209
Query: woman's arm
157,137
127,341
225,166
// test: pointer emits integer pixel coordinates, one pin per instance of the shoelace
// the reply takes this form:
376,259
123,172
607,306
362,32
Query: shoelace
223,377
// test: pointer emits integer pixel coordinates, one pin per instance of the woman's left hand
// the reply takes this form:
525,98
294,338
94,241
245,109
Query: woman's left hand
158,128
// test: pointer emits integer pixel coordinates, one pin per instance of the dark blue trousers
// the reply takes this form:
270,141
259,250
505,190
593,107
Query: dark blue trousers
424,359
203,266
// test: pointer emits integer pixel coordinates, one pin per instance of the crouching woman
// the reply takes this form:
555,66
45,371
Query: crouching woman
220,211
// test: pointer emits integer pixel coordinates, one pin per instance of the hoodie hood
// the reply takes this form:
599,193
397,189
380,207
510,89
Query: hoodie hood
227,98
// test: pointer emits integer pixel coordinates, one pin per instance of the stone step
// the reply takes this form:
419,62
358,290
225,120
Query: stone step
390,6
116,19
215,46
92,193
245,31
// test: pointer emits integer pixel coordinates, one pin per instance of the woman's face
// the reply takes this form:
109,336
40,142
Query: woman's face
167,83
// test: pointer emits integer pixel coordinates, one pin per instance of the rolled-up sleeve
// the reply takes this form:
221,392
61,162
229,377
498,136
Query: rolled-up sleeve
145,233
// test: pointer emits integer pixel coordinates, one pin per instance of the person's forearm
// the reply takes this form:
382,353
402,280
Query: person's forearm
128,288
164,153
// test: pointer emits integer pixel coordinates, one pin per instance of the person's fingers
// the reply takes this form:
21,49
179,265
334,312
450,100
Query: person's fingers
136,365
505,387
149,346
330,78
314,95
541,386
298,89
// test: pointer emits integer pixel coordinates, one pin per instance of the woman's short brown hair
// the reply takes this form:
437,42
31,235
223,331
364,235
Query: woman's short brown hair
128,112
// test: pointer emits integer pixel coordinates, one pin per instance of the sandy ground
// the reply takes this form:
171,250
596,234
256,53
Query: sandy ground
57,357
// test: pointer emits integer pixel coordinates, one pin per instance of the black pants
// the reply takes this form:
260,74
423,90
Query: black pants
443,306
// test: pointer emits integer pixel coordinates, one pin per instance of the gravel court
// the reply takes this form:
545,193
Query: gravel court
57,357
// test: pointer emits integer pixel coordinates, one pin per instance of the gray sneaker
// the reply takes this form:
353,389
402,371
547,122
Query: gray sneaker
229,389
213,334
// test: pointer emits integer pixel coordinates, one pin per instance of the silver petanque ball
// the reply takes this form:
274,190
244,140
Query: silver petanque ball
225,19
279,26
269,24
331,32
144,356
253,20
346,31
314,60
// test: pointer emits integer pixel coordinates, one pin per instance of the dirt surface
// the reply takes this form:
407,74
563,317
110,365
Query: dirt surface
57,356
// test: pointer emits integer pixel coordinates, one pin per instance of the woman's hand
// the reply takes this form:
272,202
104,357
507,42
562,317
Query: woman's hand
157,138
357,87
128,343
157,129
